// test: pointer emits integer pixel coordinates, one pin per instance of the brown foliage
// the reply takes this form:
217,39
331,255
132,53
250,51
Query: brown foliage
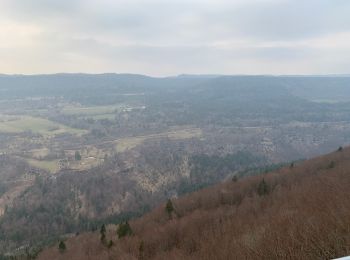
305,215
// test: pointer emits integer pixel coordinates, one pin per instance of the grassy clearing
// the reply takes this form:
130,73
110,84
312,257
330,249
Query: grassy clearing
326,101
38,153
124,144
36,125
102,116
90,157
85,163
185,133
90,111
51,166
128,143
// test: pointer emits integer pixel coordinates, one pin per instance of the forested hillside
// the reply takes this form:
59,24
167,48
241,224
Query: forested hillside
79,150
177,129
301,211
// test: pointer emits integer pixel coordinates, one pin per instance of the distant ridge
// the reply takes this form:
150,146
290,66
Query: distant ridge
175,76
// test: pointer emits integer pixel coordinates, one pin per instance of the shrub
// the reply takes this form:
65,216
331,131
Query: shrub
141,250
77,156
110,244
169,207
263,188
331,165
124,229
103,233
62,246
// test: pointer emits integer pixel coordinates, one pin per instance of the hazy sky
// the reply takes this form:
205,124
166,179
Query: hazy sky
168,37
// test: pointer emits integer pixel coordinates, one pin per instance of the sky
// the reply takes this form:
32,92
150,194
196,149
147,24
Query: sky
171,37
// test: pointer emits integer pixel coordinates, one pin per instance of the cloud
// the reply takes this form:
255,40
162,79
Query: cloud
171,37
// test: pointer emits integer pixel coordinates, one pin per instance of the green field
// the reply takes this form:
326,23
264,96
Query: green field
124,144
38,125
50,166
128,143
326,101
101,116
90,111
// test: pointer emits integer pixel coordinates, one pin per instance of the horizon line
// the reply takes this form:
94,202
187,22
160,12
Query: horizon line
174,76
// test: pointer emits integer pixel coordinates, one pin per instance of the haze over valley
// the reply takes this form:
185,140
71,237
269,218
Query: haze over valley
78,150
178,129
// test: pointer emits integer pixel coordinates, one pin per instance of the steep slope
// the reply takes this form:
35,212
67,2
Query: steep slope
40,208
297,212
